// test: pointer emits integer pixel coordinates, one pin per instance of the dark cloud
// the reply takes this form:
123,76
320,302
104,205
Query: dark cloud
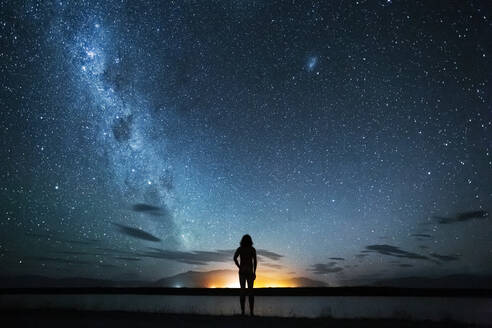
325,268
136,233
423,247
472,215
463,216
151,210
445,258
360,256
405,265
196,257
131,259
389,250
145,208
337,258
268,254
200,257
421,235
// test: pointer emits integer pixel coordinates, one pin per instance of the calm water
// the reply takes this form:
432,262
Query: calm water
469,310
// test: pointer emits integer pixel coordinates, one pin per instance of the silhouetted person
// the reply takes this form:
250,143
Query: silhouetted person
247,270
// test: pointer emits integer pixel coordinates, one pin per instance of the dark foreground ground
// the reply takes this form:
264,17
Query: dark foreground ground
74,319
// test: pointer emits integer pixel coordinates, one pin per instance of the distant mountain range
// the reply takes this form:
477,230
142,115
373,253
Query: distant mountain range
194,279
226,278
190,279
451,281
34,281
200,279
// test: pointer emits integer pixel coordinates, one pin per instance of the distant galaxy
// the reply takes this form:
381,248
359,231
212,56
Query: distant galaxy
351,139
311,63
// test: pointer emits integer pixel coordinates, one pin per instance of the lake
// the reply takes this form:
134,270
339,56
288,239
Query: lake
465,310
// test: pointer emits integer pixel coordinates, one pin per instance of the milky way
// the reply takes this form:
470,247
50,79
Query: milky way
352,140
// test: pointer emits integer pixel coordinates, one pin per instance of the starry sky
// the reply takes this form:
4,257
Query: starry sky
141,139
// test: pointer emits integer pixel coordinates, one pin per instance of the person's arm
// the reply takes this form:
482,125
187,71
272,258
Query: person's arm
235,257
255,262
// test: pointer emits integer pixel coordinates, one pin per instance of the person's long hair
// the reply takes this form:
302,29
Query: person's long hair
246,241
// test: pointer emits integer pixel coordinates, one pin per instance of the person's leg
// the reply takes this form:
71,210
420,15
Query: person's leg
242,297
251,296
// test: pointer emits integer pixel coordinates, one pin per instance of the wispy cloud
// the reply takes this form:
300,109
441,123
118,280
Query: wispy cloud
325,268
128,259
390,250
445,258
136,233
463,216
421,235
268,254
201,257
151,210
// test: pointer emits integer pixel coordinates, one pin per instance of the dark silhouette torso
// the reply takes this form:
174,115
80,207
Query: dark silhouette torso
246,256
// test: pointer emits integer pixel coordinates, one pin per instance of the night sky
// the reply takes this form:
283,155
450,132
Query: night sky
141,139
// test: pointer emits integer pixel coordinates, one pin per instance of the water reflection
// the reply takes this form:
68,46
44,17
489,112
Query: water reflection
468,310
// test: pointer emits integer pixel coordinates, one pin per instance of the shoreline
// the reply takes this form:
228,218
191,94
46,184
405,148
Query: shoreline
274,291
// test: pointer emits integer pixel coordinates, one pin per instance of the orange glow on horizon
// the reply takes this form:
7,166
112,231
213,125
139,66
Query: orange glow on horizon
231,280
